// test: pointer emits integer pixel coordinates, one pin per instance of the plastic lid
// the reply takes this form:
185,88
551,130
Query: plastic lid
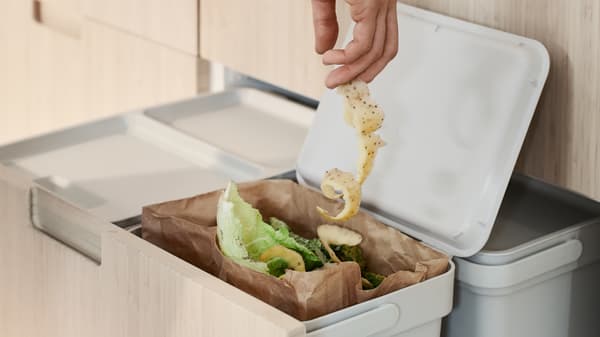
458,100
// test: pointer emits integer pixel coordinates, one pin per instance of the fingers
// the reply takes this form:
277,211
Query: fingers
390,48
325,24
362,42
350,71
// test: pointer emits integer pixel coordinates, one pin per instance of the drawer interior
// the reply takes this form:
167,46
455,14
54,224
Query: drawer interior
114,167
250,124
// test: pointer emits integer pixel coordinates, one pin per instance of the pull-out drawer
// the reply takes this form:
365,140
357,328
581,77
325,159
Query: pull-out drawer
64,261
131,288
67,198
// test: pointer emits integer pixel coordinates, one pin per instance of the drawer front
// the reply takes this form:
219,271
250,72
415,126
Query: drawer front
125,72
46,288
273,41
124,287
60,69
153,294
168,22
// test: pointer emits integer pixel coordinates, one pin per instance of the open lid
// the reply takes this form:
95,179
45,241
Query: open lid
458,100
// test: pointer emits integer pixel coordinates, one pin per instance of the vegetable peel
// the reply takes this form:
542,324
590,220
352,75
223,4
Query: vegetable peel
338,180
292,258
365,116
336,235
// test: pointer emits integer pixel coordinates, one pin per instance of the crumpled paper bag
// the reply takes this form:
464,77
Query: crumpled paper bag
187,229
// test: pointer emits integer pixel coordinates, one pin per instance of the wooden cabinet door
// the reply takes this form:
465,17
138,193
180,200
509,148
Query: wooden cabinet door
55,86
271,40
128,288
13,52
172,23
46,288
124,72
60,69
151,293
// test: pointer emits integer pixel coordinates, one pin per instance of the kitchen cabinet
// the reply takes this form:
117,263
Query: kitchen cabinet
172,23
62,66
274,42
271,40
76,274
46,288
135,289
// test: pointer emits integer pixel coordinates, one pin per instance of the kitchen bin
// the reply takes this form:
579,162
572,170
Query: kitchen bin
538,274
458,100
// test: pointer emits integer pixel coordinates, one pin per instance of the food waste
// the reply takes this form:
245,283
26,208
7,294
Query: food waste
271,247
365,116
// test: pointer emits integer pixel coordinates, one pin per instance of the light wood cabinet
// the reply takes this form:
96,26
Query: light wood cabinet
273,41
65,68
46,288
168,22
135,289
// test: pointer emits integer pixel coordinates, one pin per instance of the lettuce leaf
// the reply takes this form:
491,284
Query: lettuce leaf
240,230
244,236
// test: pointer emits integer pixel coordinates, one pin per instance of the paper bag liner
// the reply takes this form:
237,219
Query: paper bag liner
187,229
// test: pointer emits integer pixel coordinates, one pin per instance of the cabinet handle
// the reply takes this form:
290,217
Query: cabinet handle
58,18
66,223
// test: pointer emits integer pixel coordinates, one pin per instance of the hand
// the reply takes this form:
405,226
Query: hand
374,44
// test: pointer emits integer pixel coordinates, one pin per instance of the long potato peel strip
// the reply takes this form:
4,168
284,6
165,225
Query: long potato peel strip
366,117
349,190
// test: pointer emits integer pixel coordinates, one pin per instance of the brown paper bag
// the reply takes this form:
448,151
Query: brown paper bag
187,229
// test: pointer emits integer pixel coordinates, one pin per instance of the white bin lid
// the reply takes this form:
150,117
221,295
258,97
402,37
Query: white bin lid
458,100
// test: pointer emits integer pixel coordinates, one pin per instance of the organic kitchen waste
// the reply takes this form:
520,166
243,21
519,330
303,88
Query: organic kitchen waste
272,248
365,116
249,247
295,258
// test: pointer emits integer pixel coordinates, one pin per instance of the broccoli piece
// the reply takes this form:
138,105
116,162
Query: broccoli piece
374,278
284,237
277,266
350,253
314,245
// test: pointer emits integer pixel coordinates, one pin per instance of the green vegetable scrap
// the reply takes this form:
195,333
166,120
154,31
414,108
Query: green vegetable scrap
277,266
350,253
244,236
272,248
237,230
374,278
354,253
310,249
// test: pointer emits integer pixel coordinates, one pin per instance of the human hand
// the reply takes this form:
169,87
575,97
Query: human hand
374,43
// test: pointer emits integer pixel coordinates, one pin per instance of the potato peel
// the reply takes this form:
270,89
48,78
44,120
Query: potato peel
369,144
349,190
365,116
